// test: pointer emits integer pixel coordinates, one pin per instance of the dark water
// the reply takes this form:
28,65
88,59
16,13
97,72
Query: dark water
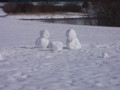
77,21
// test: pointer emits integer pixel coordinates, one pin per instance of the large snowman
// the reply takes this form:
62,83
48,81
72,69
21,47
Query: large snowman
43,41
72,41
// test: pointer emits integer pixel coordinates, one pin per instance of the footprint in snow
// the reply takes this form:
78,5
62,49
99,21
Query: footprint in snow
1,57
18,77
104,55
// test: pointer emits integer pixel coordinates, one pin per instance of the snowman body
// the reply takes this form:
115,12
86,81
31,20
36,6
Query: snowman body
43,41
72,41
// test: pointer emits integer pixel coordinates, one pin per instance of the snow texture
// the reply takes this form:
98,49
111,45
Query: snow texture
50,16
56,46
1,57
2,13
72,40
43,41
26,68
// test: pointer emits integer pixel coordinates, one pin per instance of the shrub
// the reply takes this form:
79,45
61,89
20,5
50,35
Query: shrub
10,7
47,7
107,12
24,7
72,7
36,9
18,7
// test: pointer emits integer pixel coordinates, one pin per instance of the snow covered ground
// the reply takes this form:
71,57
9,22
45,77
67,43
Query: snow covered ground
51,16
96,66
2,13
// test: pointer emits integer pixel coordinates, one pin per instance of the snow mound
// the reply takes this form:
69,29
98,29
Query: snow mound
2,13
56,46
105,55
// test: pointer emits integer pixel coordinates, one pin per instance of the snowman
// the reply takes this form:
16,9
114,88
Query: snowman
43,41
72,41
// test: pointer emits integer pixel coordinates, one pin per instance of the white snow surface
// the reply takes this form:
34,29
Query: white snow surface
96,66
50,16
2,13
1,58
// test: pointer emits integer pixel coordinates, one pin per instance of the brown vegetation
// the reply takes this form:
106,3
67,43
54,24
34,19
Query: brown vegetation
40,8
72,7
107,12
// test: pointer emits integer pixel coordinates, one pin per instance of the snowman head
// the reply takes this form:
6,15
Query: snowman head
44,34
71,34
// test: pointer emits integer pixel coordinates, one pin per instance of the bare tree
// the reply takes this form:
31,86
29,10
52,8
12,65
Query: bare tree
72,7
107,12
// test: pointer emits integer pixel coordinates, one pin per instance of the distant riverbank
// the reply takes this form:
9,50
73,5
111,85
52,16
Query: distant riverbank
48,16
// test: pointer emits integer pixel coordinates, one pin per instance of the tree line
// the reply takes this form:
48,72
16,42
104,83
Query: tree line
26,7
107,12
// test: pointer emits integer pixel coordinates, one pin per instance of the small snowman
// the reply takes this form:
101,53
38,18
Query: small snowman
72,41
43,41
56,46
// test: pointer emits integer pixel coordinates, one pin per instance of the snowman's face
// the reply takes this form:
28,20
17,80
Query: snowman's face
44,34
71,34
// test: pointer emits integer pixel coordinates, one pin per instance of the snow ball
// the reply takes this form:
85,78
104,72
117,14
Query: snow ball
105,55
71,34
56,46
74,44
42,43
1,57
1,85
99,84
44,34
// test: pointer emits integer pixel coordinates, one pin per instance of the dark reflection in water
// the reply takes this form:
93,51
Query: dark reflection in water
77,21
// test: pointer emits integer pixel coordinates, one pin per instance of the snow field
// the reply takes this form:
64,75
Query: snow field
50,16
1,57
96,66
34,69
2,13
